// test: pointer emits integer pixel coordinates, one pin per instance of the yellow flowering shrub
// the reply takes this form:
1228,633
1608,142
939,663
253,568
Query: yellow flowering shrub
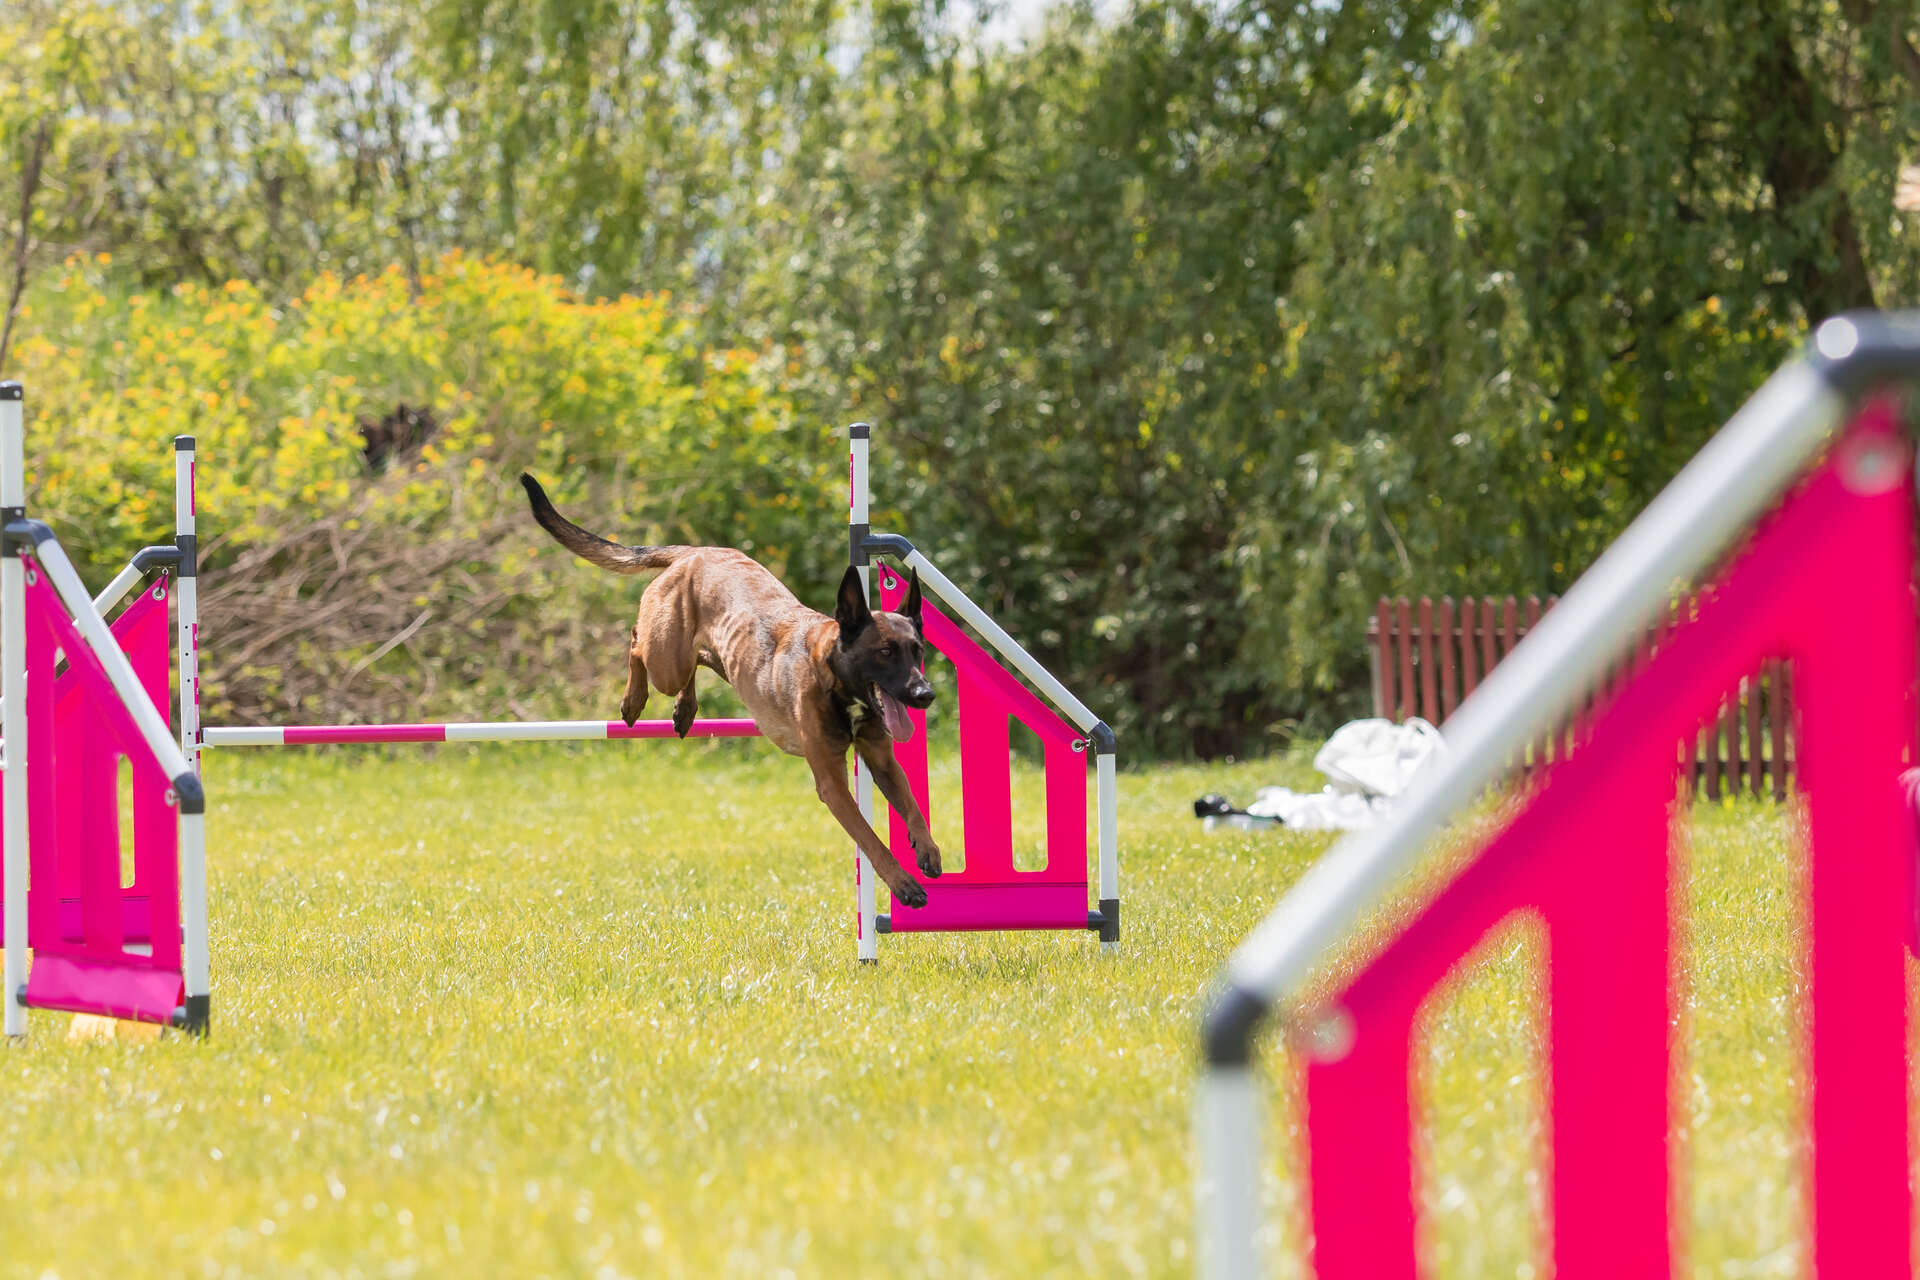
365,546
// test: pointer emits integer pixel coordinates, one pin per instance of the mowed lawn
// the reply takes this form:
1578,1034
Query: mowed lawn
593,1011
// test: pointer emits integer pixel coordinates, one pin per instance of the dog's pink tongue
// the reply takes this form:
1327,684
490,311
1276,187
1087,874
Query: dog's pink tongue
899,723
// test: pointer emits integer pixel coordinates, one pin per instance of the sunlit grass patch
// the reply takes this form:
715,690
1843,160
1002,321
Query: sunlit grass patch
594,1010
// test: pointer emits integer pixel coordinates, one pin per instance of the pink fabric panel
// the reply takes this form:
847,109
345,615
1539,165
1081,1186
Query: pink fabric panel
955,908
986,780
1066,814
987,699
146,634
80,984
87,764
133,918
43,825
85,704
1824,582
87,837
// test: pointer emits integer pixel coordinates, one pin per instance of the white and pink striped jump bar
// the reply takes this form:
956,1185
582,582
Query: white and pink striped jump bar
314,735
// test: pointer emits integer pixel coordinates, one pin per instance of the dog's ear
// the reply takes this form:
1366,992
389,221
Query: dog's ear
912,608
851,610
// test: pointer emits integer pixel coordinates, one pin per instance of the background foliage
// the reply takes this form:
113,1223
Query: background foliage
1187,328
387,566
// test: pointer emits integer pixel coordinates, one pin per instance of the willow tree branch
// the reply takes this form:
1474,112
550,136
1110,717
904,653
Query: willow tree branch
23,242
1906,57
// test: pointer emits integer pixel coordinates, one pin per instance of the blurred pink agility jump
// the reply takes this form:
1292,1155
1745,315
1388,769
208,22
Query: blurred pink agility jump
1803,510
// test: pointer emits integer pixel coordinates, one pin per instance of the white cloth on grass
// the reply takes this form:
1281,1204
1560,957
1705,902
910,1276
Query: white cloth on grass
1368,762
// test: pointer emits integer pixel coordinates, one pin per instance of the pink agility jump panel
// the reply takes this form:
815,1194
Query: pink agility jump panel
1825,584
990,893
100,946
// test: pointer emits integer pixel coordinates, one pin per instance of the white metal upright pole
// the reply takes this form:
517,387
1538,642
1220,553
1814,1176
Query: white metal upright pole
186,598
1107,832
857,515
198,976
13,715
1226,1123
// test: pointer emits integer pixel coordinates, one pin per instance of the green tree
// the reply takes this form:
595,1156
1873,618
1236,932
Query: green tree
1587,239
1194,332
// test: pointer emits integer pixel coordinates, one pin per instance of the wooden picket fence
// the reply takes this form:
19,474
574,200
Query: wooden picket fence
1428,655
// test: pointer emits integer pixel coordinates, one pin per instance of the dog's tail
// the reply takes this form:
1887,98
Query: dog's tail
591,547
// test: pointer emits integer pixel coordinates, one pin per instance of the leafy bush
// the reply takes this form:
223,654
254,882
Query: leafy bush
366,549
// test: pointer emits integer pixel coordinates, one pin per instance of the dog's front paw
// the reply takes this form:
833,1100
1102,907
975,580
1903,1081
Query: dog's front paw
911,894
927,854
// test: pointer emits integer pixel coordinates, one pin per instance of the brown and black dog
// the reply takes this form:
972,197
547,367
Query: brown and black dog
815,685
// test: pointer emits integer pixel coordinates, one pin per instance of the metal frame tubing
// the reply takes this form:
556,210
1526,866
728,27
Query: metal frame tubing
13,715
1729,483
186,596
867,932
119,589
195,957
1107,817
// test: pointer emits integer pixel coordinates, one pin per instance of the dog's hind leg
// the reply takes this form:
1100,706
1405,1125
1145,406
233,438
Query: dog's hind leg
666,631
685,707
634,701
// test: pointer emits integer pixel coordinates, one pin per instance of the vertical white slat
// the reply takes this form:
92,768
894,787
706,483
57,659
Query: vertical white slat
198,975
198,978
864,893
13,715
1226,1123
1106,809
186,598
863,871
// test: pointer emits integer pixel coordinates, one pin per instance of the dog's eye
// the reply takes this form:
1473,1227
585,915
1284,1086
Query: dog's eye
886,650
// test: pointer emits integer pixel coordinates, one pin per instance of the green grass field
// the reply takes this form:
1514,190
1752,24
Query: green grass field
594,1012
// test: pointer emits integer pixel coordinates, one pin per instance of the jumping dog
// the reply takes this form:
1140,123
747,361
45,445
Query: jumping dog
815,685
